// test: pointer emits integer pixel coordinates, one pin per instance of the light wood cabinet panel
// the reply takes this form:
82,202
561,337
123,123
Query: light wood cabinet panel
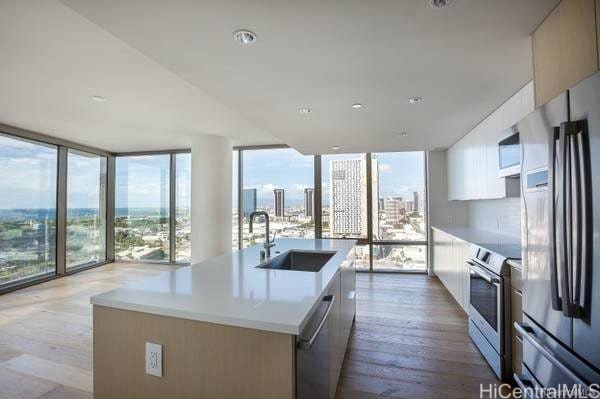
199,359
565,48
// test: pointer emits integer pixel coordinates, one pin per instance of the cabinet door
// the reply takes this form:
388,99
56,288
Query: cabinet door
565,49
452,170
467,184
480,182
496,185
442,257
348,299
334,322
527,99
511,110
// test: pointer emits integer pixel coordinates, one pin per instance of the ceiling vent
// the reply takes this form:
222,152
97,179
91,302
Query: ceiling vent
439,3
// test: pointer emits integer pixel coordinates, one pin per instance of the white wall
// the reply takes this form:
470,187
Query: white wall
211,197
501,216
441,211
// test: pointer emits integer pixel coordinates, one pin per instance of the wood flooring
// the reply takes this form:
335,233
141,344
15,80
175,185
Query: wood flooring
410,338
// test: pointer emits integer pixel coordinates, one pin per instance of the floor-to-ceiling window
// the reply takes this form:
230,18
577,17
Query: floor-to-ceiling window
344,201
28,178
399,211
235,200
279,181
378,199
142,207
183,212
86,209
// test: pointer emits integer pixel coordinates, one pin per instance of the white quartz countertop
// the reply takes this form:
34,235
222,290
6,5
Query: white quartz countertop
230,290
500,244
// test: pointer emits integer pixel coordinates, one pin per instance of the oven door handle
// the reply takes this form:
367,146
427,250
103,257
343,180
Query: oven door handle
490,278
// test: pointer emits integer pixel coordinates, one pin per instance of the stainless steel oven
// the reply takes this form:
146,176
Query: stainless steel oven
489,310
486,305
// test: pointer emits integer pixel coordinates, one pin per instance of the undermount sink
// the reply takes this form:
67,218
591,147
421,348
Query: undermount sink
301,261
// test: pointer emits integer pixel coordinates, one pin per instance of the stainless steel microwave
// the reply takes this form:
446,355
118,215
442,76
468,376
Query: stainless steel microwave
509,153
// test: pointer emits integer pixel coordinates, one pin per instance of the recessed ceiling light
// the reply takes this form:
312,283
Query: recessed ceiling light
414,100
357,106
335,147
439,3
305,110
244,36
99,99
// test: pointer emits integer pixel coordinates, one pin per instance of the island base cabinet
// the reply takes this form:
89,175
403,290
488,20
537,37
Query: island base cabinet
200,360
341,320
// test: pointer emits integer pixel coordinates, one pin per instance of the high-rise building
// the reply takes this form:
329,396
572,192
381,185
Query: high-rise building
345,187
249,201
410,206
279,197
394,208
416,202
309,202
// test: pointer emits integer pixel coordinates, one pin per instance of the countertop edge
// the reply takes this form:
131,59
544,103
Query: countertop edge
199,317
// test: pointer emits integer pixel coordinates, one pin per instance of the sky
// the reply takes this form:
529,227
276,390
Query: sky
28,173
400,174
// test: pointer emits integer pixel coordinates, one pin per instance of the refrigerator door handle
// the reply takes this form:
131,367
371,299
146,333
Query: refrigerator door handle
552,183
529,335
563,218
583,186
574,205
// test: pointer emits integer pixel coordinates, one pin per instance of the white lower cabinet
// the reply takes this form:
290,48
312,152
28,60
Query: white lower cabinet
449,256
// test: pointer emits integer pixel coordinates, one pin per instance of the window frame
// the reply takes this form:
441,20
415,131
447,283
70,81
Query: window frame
62,148
172,204
318,205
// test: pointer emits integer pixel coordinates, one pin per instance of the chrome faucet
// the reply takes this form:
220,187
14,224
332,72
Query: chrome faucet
268,242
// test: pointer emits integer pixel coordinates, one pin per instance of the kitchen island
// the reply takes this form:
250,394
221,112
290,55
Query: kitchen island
227,327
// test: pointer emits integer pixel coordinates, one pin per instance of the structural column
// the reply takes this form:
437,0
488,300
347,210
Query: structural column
211,197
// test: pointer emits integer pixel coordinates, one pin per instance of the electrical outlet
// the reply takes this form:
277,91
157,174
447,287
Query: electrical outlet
154,359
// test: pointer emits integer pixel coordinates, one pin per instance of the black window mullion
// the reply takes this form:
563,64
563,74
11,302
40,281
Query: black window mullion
317,200
172,207
61,211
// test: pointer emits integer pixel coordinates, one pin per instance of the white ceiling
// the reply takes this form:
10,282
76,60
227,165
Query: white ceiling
170,70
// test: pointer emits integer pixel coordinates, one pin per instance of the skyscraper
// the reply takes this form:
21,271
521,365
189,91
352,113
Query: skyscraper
345,196
249,201
279,196
416,201
309,202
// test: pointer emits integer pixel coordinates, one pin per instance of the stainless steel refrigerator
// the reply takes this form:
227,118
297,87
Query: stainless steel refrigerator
560,178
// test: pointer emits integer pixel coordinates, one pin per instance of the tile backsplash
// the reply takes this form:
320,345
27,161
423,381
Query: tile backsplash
502,216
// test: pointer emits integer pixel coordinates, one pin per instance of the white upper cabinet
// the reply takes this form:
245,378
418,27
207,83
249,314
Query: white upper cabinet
511,110
496,185
528,99
472,162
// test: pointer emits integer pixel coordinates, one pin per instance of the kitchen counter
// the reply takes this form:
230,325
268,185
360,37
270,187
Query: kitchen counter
491,241
230,290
